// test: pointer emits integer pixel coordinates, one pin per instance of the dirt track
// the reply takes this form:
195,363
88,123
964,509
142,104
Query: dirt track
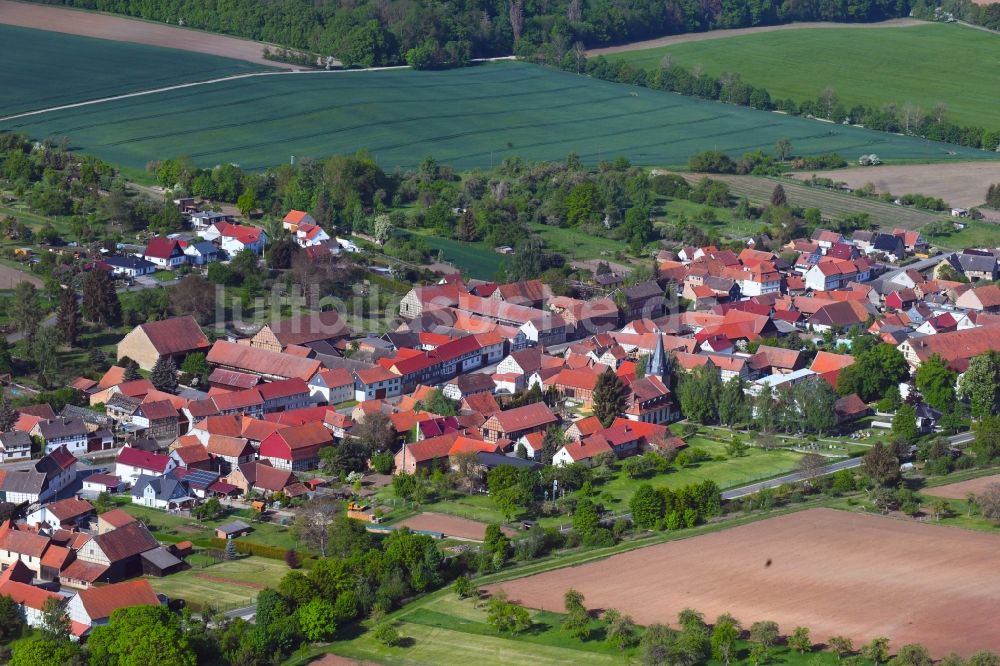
961,184
961,489
831,571
121,29
448,525
736,32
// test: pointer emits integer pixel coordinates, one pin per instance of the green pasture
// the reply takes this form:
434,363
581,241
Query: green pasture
477,260
443,630
43,69
922,65
469,118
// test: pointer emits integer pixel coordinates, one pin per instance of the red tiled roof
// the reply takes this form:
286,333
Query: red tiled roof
162,248
283,388
522,418
27,595
175,335
143,459
101,602
260,361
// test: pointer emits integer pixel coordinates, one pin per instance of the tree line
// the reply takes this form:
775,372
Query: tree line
436,33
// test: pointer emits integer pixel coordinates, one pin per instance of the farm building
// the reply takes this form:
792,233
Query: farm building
175,338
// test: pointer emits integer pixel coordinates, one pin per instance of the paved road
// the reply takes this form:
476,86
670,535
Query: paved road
794,477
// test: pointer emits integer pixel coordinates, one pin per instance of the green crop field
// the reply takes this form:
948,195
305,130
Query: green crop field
44,69
922,65
471,117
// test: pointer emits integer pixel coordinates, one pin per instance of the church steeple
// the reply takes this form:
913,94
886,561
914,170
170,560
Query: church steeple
658,362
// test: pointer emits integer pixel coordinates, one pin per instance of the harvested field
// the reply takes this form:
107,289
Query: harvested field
448,525
121,29
738,32
832,571
961,490
959,184
832,204
469,118
10,277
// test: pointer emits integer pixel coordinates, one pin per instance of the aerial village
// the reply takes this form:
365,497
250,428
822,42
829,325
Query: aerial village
511,362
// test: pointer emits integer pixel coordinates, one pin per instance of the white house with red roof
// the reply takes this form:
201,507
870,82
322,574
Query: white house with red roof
234,238
165,253
332,386
376,383
295,218
132,463
94,606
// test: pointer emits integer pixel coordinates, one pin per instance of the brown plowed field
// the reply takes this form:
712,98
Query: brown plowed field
836,572
962,184
962,489
736,32
121,29
453,526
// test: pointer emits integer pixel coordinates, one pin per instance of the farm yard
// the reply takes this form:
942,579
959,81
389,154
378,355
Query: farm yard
835,572
921,65
45,69
122,29
468,118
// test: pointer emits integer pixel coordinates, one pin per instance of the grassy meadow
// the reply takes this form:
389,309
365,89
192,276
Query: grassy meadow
922,65
44,69
469,118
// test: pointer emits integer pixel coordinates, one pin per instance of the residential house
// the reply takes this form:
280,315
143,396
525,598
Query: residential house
428,298
130,267
174,338
93,607
262,478
515,423
65,514
159,419
24,546
332,386
529,293
14,445
70,434
469,384
234,238
201,253
285,394
15,583
228,453
164,253
644,300
42,481
376,383
436,452
974,265
956,347
131,463
295,448
160,492
980,299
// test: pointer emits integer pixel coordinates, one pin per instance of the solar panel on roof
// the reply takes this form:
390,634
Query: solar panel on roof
200,478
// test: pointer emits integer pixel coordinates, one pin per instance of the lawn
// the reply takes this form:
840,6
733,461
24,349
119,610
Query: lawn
44,69
172,527
615,493
920,65
576,245
223,585
469,118
975,234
